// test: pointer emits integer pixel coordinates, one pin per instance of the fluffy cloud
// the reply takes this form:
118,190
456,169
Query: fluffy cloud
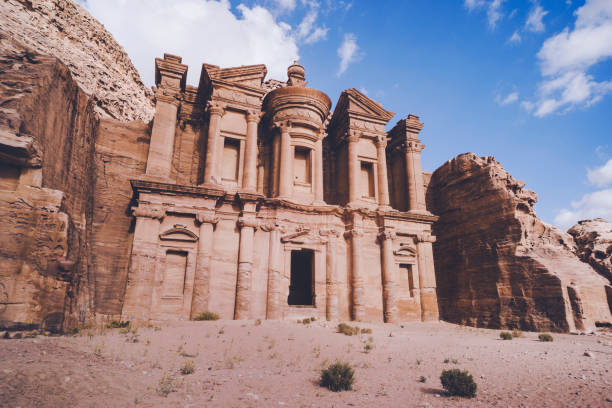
199,31
592,205
601,176
348,52
565,59
534,20
284,5
515,38
307,29
493,7
508,99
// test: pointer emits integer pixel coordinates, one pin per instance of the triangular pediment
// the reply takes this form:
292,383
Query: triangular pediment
361,104
250,75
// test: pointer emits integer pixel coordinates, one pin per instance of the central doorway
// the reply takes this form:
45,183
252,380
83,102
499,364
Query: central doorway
301,287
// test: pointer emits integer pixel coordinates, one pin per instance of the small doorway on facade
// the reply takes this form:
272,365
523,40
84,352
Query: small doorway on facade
301,287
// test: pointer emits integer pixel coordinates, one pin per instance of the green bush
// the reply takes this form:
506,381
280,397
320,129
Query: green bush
338,377
517,333
188,368
505,335
457,382
207,316
117,324
545,337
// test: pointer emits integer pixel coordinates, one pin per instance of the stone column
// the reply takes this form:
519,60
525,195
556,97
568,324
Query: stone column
427,277
216,111
201,285
389,283
331,279
383,183
249,178
319,170
414,176
161,146
273,306
285,188
247,227
353,166
143,261
358,290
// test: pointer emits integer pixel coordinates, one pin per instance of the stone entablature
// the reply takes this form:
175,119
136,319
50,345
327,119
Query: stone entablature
248,208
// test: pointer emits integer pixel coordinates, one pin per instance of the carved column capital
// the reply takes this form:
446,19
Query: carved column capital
147,211
206,217
425,237
283,125
387,234
168,95
329,232
354,233
215,108
272,226
381,141
253,116
248,222
413,146
353,136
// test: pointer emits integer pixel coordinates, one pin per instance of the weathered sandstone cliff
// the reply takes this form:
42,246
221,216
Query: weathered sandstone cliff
497,264
98,64
594,241
47,127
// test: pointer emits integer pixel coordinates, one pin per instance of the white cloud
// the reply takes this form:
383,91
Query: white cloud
307,30
534,20
508,99
592,205
199,31
318,34
494,13
515,38
493,7
601,176
283,6
363,91
348,52
566,57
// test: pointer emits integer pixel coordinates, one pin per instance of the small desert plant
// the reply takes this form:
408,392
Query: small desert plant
115,324
207,315
166,385
457,382
517,333
368,347
545,337
348,330
188,368
366,331
312,319
338,377
505,335
98,350
306,321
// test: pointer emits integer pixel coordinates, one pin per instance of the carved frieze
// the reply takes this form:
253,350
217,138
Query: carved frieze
149,211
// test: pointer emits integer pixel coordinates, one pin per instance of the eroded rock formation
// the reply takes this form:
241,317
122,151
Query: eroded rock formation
98,64
497,264
47,127
594,241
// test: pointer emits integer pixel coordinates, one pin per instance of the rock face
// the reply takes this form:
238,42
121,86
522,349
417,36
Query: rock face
98,64
47,127
498,265
594,241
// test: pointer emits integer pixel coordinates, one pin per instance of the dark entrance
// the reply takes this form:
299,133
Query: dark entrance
301,288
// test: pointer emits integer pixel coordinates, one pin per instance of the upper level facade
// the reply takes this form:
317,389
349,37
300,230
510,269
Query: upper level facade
280,140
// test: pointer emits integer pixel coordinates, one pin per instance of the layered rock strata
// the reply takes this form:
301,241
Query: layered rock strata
497,264
594,241
98,64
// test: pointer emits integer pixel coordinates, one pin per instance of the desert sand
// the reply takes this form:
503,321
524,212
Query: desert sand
278,363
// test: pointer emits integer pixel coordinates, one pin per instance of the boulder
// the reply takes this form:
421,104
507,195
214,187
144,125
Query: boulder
497,264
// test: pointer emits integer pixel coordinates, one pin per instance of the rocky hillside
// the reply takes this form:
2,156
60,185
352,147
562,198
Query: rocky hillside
99,65
497,264
594,241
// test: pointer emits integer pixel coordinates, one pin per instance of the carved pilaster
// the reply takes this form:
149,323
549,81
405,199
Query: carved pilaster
357,279
389,279
247,227
331,278
273,304
216,110
201,290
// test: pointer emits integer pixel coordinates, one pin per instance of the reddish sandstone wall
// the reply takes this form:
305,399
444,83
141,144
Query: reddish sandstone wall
498,265
47,210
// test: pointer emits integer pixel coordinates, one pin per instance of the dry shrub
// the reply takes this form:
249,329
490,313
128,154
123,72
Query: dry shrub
348,330
545,337
338,377
505,335
517,333
457,382
188,368
207,315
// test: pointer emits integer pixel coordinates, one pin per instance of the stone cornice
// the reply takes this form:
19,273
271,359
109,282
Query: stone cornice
158,187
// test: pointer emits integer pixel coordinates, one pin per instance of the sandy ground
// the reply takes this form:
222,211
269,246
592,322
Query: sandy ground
276,364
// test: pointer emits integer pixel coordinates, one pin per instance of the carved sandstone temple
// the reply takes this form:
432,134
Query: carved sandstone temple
257,202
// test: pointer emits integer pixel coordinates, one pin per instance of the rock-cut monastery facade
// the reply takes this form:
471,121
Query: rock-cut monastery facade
278,208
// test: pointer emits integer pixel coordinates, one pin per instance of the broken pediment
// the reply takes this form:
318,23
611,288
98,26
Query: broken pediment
178,233
249,75
405,249
361,104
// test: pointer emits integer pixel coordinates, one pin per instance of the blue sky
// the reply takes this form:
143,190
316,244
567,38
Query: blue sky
529,82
